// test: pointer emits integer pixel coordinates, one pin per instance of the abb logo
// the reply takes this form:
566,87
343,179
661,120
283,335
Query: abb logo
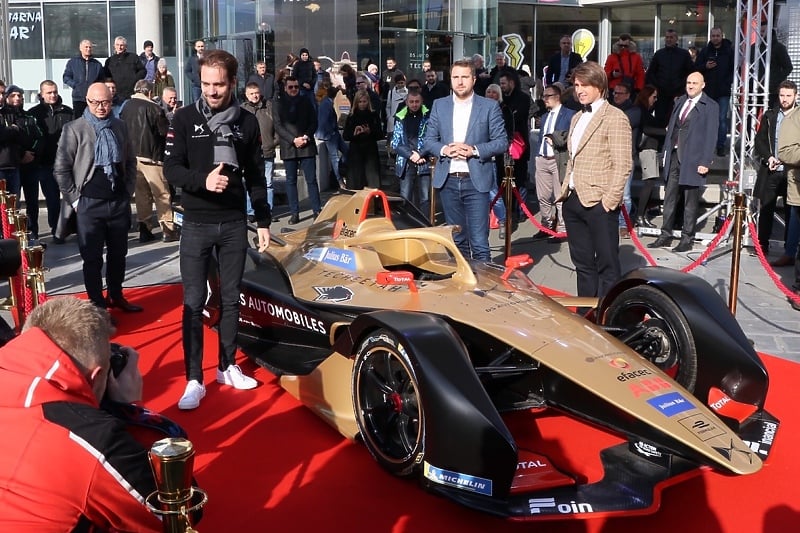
648,386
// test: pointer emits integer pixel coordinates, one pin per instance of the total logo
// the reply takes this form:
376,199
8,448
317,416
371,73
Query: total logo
524,465
549,506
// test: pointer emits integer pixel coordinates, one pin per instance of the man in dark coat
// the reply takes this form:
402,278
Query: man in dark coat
264,80
715,62
780,64
125,68
688,153
296,122
80,72
667,72
560,63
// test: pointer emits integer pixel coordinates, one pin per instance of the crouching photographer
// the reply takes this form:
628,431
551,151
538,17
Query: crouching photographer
67,461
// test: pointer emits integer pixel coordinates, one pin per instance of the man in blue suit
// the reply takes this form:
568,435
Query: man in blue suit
550,168
465,132
688,154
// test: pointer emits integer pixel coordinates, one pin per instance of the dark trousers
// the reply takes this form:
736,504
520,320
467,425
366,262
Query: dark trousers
672,195
78,106
593,238
227,243
103,223
33,176
774,187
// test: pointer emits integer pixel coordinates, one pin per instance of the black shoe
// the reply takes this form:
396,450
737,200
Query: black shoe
58,240
276,219
541,234
644,223
124,305
294,219
170,235
145,235
684,246
661,242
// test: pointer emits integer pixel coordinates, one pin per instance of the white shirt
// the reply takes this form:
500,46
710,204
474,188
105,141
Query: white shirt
462,109
548,126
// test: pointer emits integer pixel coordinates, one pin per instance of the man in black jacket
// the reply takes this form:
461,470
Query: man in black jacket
715,62
771,180
51,115
81,71
667,72
213,151
296,123
562,61
125,68
147,126
264,80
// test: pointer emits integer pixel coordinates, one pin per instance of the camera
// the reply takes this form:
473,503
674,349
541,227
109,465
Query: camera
119,359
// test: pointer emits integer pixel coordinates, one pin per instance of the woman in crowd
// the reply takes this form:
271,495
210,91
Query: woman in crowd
493,91
651,144
163,78
363,131
349,79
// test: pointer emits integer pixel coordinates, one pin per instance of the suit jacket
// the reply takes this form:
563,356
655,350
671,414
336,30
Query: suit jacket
485,130
697,139
764,148
601,163
789,153
554,65
563,121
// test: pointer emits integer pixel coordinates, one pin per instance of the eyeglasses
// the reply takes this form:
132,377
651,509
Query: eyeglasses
551,95
99,103
289,87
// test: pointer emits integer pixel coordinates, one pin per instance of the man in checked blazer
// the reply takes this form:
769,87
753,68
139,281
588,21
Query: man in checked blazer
600,153
465,132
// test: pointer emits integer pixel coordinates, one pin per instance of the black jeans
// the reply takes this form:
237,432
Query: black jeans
593,238
103,223
672,195
775,186
200,243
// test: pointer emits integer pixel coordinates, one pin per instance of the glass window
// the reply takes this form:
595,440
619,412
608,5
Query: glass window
168,43
639,22
68,24
690,21
553,22
123,23
25,31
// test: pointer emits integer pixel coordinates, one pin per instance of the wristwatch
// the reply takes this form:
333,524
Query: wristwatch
474,151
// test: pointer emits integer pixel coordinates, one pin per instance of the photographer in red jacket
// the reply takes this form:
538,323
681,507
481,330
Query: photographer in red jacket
66,464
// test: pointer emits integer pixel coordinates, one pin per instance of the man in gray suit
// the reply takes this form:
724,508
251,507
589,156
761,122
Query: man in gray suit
465,132
95,169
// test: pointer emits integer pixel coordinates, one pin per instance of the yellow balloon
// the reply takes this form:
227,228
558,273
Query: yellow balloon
583,42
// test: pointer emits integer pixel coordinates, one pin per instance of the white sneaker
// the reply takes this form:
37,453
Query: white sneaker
233,376
192,395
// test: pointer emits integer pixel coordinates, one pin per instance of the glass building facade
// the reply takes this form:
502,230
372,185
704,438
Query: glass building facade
44,34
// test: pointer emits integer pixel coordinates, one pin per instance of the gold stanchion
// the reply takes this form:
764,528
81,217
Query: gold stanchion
172,462
432,165
508,198
738,230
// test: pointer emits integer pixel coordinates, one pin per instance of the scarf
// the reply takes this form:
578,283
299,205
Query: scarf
219,123
106,147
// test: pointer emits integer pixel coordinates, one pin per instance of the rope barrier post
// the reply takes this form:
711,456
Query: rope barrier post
738,233
508,198
432,214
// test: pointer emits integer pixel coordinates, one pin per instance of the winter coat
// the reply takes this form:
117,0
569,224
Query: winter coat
295,117
51,120
147,126
126,69
400,144
719,80
269,137
80,73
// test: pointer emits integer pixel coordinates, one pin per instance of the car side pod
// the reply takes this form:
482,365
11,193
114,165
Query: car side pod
468,448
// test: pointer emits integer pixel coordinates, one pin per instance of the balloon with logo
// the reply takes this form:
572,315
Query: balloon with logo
583,42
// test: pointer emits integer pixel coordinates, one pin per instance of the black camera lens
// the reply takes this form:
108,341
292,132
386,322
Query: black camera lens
119,359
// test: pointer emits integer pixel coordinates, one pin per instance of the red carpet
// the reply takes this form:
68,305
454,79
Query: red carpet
268,464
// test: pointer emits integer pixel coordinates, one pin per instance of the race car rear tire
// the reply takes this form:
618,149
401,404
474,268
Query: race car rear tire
387,405
669,343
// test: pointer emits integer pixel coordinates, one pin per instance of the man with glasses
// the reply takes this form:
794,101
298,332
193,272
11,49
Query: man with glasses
363,84
296,123
624,65
95,169
562,61
551,158
622,100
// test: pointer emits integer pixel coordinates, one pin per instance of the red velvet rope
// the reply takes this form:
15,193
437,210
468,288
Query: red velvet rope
793,296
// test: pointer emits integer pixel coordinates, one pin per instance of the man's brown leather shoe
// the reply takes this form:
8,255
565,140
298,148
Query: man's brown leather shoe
124,305
782,261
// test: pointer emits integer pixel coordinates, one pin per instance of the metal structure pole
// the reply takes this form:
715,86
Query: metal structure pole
508,198
5,44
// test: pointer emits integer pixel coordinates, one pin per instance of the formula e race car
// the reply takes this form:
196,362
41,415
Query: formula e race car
377,323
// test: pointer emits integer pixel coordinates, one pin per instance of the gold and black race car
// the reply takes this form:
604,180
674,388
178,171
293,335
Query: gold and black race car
377,323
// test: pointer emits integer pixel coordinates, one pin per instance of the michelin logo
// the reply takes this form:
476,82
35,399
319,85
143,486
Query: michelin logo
458,480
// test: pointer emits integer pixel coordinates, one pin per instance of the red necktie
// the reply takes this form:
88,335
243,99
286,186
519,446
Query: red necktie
686,111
